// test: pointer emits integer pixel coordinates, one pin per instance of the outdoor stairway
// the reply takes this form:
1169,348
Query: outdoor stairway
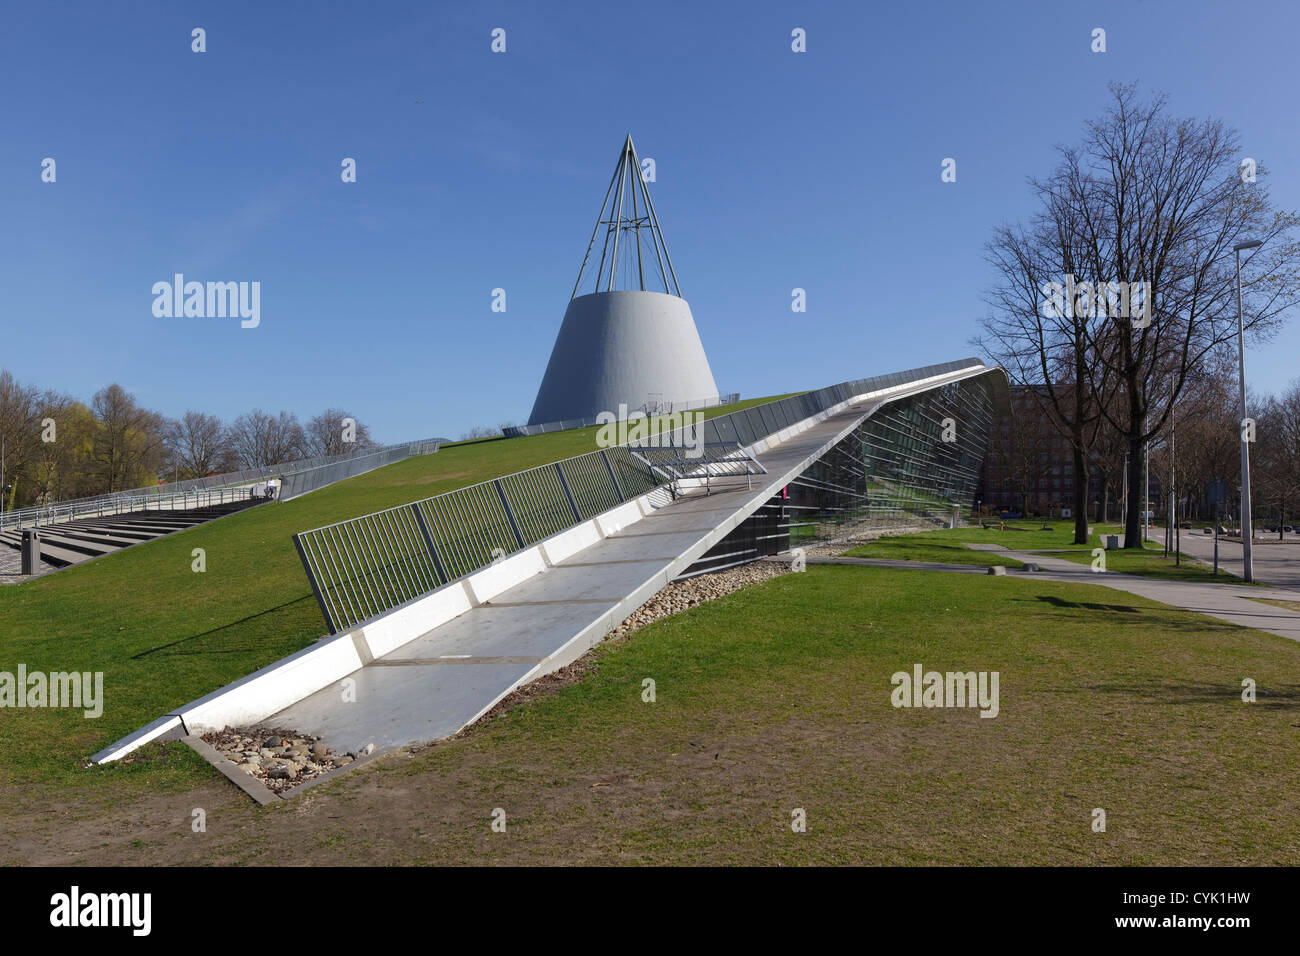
76,541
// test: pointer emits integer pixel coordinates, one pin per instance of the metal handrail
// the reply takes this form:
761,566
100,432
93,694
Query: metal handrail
136,499
366,566
362,567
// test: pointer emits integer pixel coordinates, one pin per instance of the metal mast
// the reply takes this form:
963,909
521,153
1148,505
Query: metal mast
620,213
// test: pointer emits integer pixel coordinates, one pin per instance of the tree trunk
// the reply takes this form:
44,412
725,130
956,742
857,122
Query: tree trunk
1132,526
1080,497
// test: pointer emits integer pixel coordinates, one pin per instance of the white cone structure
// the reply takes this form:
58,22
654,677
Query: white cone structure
628,347
625,346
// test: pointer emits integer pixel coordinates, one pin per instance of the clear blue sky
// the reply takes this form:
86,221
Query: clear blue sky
479,170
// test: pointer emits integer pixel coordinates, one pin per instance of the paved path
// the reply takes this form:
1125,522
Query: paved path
11,565
1227,602
1275,563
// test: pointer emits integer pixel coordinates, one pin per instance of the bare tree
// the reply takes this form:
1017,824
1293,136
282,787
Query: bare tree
199,445
1045,348
1164,204
19,433
336,432
1278,454
1108,449
259,439
127,444
1206,440
1153,202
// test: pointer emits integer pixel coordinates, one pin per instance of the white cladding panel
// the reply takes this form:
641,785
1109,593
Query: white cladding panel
626,347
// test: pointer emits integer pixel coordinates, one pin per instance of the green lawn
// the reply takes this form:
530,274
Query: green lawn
1287,605
163,635
1031,534
948,546
1153,563
928,546
777,698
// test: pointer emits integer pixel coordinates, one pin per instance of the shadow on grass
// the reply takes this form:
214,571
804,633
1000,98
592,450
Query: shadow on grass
211,641
1152,692
1089,605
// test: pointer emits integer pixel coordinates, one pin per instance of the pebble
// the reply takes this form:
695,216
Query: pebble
683,595
280,759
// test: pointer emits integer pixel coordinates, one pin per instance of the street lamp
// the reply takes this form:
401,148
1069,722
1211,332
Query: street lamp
1247,532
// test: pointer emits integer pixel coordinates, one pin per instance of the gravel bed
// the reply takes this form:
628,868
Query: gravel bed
281,759
680,596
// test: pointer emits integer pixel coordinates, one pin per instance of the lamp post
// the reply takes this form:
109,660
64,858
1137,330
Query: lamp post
1247,531
1146,495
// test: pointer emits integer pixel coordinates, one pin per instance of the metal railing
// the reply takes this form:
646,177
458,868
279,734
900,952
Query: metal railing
757,422
127,503
363,567
182,494
366,566
301,480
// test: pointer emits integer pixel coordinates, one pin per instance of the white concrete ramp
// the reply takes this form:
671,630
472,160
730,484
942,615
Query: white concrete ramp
450,676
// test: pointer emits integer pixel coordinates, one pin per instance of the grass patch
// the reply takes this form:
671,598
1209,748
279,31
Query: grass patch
1153,563
923,547
948,545
1026,534
778,697
1286,605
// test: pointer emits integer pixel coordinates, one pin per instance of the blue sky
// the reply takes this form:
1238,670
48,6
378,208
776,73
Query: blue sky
478,170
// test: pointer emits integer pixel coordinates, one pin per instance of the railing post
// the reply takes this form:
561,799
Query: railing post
568,493
510,515
618,488
315,586
428,542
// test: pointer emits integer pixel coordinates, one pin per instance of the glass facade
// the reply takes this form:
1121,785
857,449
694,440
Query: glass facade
908,465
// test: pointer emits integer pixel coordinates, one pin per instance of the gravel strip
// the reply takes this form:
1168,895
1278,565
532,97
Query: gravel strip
681,596
281,759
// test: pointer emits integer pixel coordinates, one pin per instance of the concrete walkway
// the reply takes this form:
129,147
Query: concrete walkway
1275,562
1227,602
11,567
447,678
